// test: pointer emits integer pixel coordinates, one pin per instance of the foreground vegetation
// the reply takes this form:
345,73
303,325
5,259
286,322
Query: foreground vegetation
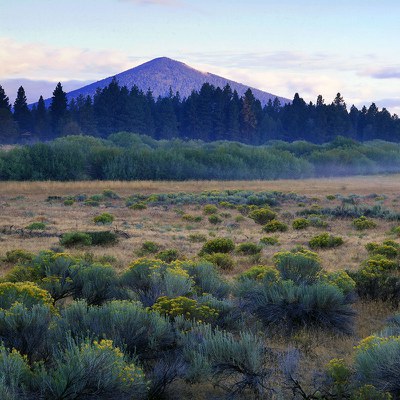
177,295
127,156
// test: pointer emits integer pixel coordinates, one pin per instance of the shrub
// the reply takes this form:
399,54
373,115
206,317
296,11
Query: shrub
27,329
218,245
261,273
396,231
210,209
363,222
26,293
168,255
69,202
102,238
388,248
103,219
187,308
262,215
91,202
377,363
330,197
36,226
18,256
300,223
192,218
269,240
197,238
316,221
341,280
138,206
248,248
214,219
149,247
301,267
110,194
292,307
92,369
275,226
221,260
128,324
325,241
71,239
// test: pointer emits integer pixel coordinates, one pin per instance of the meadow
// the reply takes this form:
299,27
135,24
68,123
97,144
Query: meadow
143,244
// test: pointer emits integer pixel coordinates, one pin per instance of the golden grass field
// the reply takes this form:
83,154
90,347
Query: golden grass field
22,203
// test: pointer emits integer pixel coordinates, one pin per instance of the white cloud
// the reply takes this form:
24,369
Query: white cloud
37,61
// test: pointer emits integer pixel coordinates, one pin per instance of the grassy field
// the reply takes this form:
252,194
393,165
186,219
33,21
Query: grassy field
177,225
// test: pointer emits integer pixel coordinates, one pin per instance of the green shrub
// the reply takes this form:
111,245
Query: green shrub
187,308
138,206
71,239
226,204
300,223
168,255
210,209
316,221
218,245
269,240
248,248
197,238
18,256
149,247
221,260
388,248
110,194
275,226
330,197
192,218
341,280
291,307
102,238
69,202
325,241
27,293
103,219
379,263
262,215
90,369
260,273
36,226
91,202
214,219
369,392
300,267
396,231
363,222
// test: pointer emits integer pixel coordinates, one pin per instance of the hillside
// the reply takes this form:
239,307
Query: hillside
163,73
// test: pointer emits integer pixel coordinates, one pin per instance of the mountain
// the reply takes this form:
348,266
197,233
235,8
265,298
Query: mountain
161,74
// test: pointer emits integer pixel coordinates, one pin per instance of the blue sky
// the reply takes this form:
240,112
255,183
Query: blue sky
307,46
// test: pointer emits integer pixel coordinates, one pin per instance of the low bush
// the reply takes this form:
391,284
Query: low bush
301,267
262,215
103,219
197,238
192,218
261,273
363,223
248,248
210,209
168,255
110,194
187,308
221,260
102,238
300,223
218,245
388,248
69,202
36,226
18,256
341,280
149,247
138,206
72,239
325,241
275,226
269,240
214,219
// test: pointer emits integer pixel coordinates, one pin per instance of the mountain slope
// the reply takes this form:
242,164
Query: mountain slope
161,74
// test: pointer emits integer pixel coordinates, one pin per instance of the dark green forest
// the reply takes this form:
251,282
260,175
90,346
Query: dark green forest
128,156
212,114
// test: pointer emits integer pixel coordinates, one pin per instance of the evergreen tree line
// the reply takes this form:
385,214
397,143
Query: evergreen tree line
210,114
127,156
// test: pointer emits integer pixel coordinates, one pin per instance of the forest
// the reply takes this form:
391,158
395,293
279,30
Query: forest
210,114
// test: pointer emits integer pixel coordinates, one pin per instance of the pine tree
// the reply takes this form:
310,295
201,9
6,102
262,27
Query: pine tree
22,114
58,109
8,128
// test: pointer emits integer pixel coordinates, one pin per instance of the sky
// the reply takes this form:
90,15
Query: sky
307,46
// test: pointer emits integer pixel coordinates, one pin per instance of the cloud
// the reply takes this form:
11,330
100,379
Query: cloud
383,73
37,61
